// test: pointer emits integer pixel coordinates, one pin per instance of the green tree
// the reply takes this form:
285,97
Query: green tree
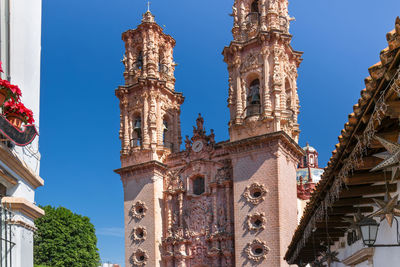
64,238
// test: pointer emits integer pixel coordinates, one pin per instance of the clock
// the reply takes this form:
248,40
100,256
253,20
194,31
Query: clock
197,146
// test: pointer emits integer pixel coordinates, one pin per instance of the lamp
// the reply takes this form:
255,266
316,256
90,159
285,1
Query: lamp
369,230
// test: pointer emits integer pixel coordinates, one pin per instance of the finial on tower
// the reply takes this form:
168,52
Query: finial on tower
148,17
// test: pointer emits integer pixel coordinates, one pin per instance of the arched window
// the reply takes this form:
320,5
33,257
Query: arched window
254,6
253,98
139,62
198,186
137,132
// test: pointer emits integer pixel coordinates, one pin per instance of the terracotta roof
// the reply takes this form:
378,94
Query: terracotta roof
380,74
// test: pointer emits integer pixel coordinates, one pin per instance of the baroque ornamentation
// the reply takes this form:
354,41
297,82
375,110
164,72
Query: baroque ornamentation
256,221
139,258
255,193
257,250
251,62
174,182
139,233
138,210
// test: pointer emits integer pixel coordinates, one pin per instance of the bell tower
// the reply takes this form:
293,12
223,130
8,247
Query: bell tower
149,132
262,69
150,107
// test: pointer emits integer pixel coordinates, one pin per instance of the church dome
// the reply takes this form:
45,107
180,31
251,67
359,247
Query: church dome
309,148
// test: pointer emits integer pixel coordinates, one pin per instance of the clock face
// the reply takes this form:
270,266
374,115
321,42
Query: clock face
197,146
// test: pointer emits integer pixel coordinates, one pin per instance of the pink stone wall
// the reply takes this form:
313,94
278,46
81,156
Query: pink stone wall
146,188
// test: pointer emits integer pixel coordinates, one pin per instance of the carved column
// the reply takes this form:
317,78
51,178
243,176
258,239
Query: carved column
176,132
228,206
267,108
145,116
130,126
180,205
125,125
239,106
263,19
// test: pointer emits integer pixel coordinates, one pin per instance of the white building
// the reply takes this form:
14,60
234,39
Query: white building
20,41
352,218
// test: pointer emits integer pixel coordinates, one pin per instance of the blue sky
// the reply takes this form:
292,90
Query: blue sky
81,53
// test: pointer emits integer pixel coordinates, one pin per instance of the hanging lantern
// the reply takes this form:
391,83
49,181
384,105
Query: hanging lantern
369,230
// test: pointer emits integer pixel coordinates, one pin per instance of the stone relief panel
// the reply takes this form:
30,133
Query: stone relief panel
199,226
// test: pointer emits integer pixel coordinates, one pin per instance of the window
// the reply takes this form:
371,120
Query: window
137,133
254,6
139,62
253,98
198,186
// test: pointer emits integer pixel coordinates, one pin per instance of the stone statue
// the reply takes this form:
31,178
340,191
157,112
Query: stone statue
200,122
212,137
187,142
125,62
235,16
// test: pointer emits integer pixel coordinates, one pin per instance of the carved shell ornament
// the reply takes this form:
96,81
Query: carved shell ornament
255,193
256,221
139,258
138,210
257,250
139,233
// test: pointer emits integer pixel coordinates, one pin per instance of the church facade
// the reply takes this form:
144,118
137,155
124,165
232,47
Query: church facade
232,203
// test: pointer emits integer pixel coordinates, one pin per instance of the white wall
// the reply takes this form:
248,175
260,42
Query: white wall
25,51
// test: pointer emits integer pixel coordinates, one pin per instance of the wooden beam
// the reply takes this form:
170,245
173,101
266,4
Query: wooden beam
349,209
391,136
368,163
367,178
393,109
363,190
354,201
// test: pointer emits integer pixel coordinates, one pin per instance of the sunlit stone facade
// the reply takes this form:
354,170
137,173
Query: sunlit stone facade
232,203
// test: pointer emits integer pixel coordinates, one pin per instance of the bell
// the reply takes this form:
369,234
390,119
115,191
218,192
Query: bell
255,98
165,126
138,125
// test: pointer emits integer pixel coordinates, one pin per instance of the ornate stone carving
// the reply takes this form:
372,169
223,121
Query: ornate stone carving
139,233
256,221
257,250
255,193
139,258
251,62
138,210
174,182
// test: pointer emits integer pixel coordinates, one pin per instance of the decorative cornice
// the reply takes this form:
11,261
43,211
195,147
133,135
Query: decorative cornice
19,167
261,141
24,206
143,168
365,254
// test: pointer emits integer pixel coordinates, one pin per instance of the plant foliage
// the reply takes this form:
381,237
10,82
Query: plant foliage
64,238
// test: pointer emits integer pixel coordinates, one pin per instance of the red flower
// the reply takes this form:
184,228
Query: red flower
1,69
11,106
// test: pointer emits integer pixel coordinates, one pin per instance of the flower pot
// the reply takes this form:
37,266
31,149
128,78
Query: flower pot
3,95
15,119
